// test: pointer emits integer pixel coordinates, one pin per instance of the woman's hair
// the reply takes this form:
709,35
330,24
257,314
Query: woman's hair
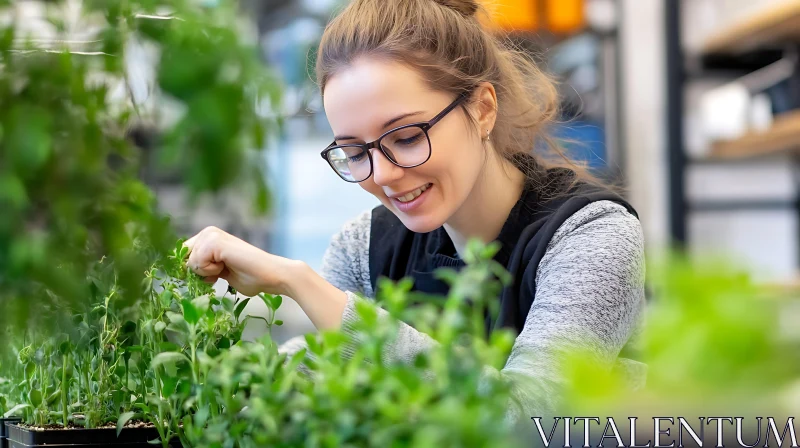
445,42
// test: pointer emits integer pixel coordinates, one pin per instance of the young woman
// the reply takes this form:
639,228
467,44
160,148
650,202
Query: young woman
438,120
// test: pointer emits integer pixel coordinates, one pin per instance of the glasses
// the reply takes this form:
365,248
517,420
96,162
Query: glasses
406,146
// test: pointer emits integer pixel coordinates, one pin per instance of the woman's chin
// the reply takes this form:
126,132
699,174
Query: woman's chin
423,220
419,224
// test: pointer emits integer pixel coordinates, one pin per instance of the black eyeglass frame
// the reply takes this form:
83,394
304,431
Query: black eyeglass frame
365,147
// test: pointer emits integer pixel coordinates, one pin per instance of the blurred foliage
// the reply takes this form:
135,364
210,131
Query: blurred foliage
70,186
715,343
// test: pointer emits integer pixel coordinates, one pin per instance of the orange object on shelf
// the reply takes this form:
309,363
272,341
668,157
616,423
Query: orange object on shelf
513,15
556,16
565,16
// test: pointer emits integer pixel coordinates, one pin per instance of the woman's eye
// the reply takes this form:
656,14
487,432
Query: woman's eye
357,158
409,140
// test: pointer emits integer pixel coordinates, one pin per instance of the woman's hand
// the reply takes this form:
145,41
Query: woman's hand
216,254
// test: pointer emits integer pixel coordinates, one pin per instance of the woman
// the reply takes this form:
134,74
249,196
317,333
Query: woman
437,119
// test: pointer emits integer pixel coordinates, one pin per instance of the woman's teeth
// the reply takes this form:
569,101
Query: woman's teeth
414,194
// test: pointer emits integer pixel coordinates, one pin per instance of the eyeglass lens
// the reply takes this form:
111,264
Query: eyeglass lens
407,147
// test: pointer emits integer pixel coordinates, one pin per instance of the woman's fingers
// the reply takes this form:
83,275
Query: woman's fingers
211,280
190,242
202,259
209,269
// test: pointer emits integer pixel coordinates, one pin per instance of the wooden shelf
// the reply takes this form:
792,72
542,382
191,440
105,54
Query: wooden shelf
784,135
773,25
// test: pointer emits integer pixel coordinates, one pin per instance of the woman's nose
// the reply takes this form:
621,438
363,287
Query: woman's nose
384,172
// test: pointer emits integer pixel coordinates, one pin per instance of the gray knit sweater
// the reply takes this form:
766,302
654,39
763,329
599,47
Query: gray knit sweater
589,295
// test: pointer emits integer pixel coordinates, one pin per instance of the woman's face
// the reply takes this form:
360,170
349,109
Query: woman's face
372,96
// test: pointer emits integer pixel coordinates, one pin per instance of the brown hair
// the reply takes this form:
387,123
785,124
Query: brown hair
445,42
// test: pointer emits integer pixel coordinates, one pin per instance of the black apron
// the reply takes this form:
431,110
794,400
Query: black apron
396,252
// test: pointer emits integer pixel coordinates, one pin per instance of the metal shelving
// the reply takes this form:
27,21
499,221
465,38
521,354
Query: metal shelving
749,44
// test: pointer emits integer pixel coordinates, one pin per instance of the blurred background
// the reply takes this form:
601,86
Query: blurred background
694,105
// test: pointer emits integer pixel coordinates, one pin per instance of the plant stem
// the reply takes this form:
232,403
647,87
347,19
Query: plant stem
64,386
126,378
89,401
77,364
43,404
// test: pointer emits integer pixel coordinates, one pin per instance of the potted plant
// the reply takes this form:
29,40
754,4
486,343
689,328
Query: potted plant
103,379
179,373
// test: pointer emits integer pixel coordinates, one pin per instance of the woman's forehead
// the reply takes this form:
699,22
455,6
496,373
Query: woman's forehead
371,90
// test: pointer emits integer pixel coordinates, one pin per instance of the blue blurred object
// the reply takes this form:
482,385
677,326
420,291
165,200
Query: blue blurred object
585,141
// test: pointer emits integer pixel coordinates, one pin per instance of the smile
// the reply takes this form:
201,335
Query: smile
413,199
414,194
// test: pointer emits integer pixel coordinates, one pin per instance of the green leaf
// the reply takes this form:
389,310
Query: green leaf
168,358
240,307
228,304
177,323
262,318
204,359
54,396
313,344
201,304
123,420
190,312
296,359
165,298
175,318
159,326
35,398
272,302
279,322
13,411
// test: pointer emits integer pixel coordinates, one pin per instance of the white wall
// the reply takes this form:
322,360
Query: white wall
643,83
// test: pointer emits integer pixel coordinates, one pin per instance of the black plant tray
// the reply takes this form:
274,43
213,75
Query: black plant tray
23,437
93,445
3,432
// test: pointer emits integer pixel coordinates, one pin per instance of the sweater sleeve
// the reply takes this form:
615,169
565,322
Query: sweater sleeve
589,296
345,265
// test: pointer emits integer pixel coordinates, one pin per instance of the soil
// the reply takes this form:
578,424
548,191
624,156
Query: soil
130,424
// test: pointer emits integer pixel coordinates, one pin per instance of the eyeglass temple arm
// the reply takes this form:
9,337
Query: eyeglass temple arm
461,97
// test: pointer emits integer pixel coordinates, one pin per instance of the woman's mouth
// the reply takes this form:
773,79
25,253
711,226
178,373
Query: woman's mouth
412,200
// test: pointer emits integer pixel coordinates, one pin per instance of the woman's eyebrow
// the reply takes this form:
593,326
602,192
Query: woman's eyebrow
385,125
400,117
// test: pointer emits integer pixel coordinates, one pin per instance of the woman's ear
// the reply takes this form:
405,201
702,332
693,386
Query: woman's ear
485,108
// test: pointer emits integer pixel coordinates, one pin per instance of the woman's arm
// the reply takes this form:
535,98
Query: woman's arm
345,267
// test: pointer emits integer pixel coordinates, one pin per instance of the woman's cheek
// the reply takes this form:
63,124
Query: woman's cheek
370,187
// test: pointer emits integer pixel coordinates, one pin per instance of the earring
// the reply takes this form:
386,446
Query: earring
487,135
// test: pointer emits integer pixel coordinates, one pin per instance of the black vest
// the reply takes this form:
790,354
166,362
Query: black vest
396,252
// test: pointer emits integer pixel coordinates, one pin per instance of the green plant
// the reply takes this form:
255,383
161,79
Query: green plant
343,393
5,388
178,362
